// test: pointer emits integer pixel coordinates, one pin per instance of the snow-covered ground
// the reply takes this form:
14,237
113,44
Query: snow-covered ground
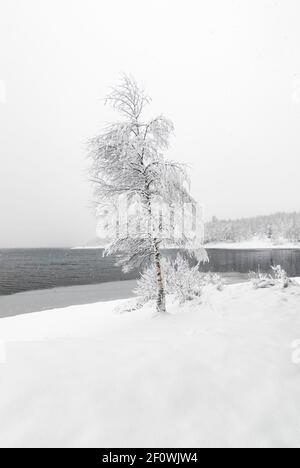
221,373
57,298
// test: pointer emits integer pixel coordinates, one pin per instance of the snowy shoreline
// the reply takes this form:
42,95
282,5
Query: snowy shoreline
221,372
47,299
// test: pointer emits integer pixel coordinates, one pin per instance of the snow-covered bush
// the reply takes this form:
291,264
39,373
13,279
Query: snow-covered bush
182,281
281,276
146,285
261,280
278,277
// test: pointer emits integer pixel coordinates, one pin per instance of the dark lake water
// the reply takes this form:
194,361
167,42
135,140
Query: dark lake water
33,269
246,260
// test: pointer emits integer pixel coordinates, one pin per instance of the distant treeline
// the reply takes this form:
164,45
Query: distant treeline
277,227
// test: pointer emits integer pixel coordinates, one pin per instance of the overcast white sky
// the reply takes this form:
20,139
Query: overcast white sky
227,72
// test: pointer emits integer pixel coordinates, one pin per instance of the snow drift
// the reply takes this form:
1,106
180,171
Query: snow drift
218,372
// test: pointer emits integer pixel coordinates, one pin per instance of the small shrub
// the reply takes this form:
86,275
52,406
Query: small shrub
183,282
281,276
261,280
278,277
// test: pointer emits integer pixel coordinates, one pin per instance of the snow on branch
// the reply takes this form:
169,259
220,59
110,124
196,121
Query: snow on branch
128,98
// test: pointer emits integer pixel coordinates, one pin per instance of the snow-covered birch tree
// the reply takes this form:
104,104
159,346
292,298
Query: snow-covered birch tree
128,160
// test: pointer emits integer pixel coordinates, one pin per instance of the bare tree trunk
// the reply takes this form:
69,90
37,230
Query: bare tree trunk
161,295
